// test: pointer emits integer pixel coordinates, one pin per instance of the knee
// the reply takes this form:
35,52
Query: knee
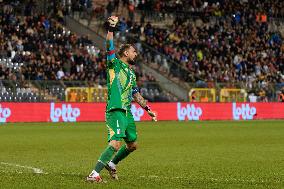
132,147
115,144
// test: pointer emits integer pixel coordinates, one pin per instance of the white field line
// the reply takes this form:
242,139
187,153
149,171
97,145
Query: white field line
35,170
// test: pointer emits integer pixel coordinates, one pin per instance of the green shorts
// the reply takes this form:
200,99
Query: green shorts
121,126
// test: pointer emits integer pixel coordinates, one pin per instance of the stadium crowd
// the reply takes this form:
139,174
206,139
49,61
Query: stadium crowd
214,41
238,48
38,47
158,9
205,8
46,51
223,46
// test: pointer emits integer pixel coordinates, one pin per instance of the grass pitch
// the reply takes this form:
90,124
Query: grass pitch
170,155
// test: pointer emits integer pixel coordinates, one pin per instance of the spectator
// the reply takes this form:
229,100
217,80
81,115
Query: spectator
110,8
281,95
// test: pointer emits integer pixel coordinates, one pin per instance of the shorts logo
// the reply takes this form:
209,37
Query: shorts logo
117,130
66,112
137,112
189,111
4,114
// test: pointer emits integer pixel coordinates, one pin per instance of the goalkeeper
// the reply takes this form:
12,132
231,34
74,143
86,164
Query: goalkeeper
121,83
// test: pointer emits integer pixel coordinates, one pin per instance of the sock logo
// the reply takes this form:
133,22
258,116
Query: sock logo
137,112
4,114
244,112
189,111
66,112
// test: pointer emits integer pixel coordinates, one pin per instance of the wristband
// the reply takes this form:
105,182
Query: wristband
147,108
111,29
135,90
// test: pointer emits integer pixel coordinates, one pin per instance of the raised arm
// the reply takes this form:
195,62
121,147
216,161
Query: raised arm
112,21
110,46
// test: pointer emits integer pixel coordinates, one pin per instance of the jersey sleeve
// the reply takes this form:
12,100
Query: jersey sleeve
110,53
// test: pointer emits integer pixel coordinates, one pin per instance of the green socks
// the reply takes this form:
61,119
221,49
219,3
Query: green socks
105,158
121,154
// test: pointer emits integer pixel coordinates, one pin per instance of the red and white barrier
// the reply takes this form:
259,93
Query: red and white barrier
79,112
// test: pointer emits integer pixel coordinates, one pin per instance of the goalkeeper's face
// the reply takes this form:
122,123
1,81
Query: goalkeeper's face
131,55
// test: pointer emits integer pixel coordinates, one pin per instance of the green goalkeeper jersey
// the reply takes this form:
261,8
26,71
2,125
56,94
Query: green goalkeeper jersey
120,81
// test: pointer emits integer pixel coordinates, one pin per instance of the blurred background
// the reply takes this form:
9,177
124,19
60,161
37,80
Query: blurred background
190,50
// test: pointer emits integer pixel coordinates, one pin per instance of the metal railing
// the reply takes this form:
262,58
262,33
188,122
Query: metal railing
56,91
60,91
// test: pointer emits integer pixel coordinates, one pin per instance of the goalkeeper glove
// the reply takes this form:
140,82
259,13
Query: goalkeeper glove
112,23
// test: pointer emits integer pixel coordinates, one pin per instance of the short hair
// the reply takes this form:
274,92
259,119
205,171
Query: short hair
123,48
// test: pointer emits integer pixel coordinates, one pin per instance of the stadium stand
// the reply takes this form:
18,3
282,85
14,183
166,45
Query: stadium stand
235,46
209,7
218,42
210,43
39,49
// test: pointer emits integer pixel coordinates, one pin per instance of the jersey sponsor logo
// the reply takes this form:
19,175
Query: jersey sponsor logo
4,114
66,112
189,111
137,112
244,111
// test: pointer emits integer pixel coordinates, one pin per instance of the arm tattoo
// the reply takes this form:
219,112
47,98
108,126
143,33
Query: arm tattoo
140,100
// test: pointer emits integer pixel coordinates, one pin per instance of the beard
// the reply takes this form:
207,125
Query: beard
132,62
